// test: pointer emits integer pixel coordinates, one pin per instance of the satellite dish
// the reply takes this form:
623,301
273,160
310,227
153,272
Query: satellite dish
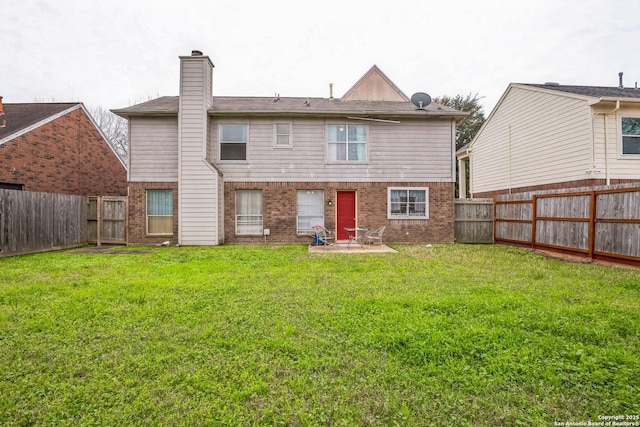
420,100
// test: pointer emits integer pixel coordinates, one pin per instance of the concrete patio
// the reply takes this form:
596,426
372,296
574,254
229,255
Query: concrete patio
354,249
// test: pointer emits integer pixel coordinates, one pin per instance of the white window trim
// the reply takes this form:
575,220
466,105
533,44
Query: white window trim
275,134
146,211
238,216
621,154
246,159
395,216
320,217
345,162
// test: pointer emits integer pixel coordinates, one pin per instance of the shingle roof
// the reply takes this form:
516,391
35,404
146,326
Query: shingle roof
295,106
21,116
593,91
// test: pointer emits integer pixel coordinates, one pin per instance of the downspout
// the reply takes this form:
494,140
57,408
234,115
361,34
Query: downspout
606,146
509,158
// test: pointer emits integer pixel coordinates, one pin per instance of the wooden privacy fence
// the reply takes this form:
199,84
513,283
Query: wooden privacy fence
34,222
107,219
473,221
600,224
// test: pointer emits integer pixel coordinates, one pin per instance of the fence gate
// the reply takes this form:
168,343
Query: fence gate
107,220
473,221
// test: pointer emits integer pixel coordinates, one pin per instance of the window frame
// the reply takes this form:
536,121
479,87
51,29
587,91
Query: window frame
302,230
236,215
276,134
245,142
347,143
147,216
407,215
621,152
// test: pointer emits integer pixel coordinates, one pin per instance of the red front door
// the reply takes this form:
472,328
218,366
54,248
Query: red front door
346,213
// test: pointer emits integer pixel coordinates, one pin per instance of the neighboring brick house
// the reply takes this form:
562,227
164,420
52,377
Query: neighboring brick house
207,170
57,148
551,136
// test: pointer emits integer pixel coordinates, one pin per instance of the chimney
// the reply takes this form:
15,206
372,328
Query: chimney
331,91
620,86
1,111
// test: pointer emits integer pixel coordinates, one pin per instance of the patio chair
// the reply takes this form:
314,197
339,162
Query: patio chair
374,237
324,236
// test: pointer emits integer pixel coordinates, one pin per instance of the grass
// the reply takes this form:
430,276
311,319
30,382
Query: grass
273,335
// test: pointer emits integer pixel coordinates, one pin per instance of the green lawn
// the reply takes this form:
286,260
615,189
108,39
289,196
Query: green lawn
272,335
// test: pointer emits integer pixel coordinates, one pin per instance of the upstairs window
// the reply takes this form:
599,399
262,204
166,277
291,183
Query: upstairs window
408,203
233,142
347,143
282,135
631,135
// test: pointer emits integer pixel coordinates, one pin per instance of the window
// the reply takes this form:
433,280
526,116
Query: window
248,212
233,142
408,203
631,135
310,209
159,212
282,135
347,143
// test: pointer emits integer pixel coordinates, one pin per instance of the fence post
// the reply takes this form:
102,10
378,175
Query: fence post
534,220
99,222
592,223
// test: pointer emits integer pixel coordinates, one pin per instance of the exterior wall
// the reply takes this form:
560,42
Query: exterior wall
198,181
279,211
67,156
411,151
532,138
138,212
614,165
153,151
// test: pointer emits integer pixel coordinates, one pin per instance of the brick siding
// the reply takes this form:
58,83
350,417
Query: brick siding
138,212
279,211
67,156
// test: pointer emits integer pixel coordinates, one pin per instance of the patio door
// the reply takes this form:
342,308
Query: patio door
345,213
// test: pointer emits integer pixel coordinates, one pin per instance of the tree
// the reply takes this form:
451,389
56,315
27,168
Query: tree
115,129
470,125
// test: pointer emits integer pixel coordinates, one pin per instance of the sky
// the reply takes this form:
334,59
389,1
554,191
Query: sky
116,53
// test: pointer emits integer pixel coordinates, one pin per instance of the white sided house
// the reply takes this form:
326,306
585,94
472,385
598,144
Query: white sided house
208,170
549,136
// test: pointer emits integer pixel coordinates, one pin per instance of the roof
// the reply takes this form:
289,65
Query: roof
592,91
23,116
225,105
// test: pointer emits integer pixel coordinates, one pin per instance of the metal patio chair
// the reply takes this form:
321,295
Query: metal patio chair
374,237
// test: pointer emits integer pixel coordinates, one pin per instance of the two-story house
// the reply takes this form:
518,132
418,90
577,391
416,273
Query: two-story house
205,170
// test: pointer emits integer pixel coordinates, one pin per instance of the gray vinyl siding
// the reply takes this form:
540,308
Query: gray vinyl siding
407,152
154,149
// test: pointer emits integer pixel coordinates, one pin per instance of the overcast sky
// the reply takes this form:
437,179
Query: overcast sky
118,52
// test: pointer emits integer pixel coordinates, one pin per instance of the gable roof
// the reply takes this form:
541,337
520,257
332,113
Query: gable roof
591,94
23,117
375,86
